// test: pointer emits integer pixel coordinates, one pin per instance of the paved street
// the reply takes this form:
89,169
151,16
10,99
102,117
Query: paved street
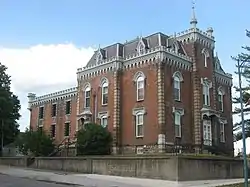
9,181
23,177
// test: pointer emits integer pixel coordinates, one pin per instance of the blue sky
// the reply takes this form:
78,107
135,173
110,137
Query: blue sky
58,36
90,23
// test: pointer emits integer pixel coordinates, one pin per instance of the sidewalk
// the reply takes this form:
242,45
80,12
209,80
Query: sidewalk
93,180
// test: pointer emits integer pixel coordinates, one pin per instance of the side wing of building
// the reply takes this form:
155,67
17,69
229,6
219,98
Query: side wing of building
55,113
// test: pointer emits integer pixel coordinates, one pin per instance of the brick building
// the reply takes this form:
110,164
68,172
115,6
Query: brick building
149,92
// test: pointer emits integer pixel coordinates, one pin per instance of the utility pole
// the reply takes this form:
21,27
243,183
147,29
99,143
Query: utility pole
239,66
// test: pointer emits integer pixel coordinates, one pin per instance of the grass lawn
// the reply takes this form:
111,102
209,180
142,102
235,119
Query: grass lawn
234,185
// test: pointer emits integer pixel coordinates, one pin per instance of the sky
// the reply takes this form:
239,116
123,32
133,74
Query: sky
43,42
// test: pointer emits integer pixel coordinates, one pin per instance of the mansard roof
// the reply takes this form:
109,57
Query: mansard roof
130,47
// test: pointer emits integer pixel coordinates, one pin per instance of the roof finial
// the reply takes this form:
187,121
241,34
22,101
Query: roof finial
193,21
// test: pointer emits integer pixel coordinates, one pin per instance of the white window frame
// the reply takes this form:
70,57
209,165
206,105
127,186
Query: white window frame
140,84
104,85
206,94
222,132
103,118
206,56
139,123
207,132
177,86
87,89
177,123
220,99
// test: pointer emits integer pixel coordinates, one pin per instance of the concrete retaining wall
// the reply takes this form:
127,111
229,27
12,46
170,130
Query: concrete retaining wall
156,167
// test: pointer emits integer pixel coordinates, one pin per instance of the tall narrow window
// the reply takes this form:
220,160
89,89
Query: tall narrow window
177,121
207,132
66,129
104,121
206,94
205,56
41,112
53,112
105,92
139,124
177,88
87,97
53,130
222,132
140,88
68,107
220,100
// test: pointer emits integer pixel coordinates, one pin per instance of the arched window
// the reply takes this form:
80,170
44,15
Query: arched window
104,87
177,85
205,56
221,99
177,88
139,79
104,121
87,96
140,88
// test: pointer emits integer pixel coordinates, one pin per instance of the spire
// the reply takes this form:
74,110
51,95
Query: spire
193,21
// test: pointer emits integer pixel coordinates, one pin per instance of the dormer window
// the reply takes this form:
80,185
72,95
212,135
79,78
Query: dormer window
141,47
98,57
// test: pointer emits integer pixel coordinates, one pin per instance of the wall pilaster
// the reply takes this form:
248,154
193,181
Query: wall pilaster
196,100
161,106
116,114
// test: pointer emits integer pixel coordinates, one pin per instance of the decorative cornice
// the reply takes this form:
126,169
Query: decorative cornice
102,114
225,79
140,110
180,110
53,97
134,60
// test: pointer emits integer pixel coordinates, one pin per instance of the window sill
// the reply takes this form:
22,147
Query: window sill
104,104
139,137
177,100
139,100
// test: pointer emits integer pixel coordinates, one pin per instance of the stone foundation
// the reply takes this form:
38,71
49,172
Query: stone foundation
175,168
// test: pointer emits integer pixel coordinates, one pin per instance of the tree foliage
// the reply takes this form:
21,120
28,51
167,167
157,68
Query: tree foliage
9,108
37,143
244,59
94,140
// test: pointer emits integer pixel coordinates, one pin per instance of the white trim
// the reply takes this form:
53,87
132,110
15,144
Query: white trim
180,112
221,100
222,132
206,55
207,132
139,122
104,84
179,75
140,45
138,74
135,111
87,88
101,114
104,117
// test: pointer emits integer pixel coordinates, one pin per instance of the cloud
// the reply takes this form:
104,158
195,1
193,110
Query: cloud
42,69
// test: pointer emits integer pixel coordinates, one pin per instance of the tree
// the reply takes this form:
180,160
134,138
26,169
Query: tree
9,108
246,92
94,140
38,143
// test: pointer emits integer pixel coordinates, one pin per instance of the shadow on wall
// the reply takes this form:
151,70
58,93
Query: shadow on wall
175,168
